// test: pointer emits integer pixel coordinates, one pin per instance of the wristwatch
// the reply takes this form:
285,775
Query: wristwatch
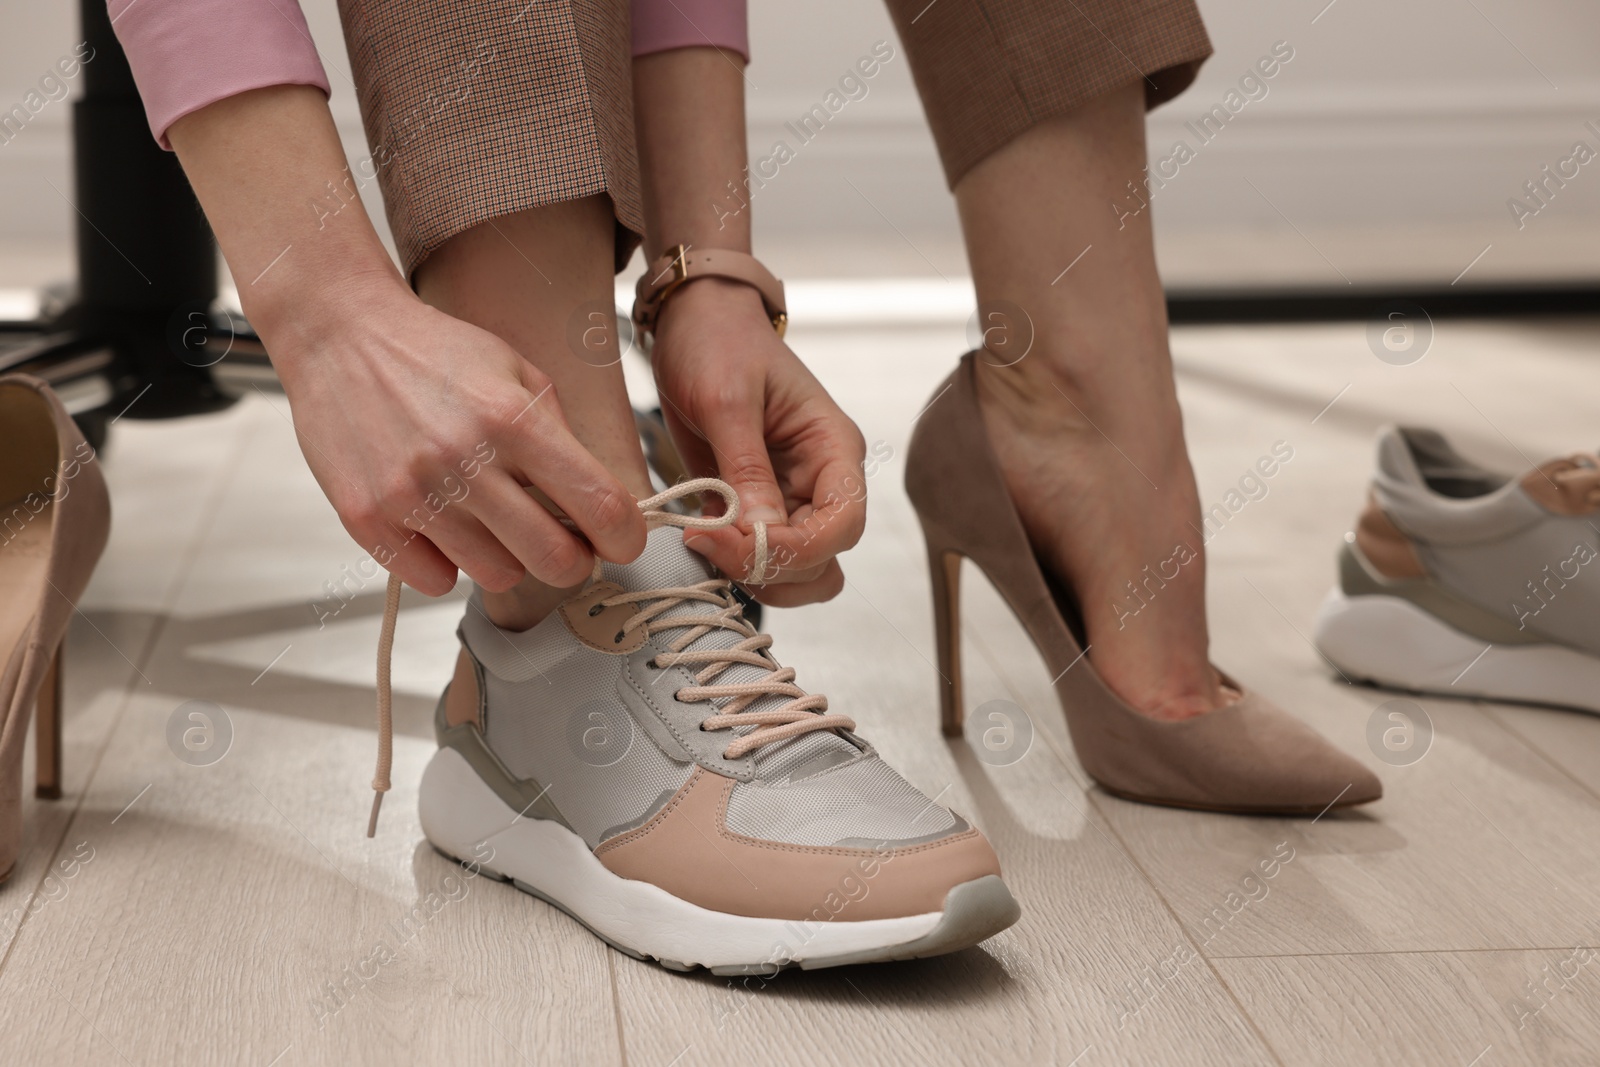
684,263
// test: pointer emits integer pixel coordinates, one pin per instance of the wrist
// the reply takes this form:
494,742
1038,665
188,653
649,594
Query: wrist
683,271
730,236
320,276
323,308
717,302
710,295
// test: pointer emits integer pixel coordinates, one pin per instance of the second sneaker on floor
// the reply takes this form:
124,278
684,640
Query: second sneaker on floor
1463,581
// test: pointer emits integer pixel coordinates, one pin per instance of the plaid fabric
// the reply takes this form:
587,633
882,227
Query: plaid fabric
481,108
988,70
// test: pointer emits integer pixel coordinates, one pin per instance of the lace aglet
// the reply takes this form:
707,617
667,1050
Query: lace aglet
372,820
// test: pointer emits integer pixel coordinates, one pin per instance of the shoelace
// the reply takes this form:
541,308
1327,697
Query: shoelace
803,713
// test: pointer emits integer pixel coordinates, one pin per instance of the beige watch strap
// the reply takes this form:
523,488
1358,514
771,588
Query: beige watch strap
684,263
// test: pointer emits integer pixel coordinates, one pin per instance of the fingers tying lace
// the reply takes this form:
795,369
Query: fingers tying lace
798,716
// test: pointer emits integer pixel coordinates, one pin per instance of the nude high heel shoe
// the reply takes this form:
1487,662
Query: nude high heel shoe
1247,757
54,520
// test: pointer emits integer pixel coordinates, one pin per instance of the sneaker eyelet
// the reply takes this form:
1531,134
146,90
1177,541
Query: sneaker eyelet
617,640
597,609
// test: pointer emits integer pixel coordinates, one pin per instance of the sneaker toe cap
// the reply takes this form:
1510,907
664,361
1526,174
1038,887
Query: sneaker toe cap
688,850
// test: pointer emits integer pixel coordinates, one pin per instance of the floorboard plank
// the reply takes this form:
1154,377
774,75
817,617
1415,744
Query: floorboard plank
237,911
1450,1009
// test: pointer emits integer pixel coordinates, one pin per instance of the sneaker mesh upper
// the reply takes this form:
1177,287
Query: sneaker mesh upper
538,731
667,562
548,695
865,800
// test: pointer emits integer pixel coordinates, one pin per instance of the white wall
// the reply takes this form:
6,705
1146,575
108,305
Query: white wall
1392,140
1387,148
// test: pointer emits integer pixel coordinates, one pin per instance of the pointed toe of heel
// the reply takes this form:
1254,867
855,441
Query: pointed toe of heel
1365,786
1250,758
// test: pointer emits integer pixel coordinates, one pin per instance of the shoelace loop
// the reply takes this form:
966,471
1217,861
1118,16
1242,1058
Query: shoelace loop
774,725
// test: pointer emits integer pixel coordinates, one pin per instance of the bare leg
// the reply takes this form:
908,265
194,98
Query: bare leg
1087,426
487,276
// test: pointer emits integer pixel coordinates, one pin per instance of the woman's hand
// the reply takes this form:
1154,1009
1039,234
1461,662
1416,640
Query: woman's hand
742,407
423,430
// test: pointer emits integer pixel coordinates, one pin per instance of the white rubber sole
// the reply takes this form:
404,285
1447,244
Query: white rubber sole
467,821
1395,643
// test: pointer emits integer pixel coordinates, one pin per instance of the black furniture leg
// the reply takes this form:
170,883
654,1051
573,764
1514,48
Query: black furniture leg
138,332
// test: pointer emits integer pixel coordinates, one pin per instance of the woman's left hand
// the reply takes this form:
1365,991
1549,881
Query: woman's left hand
742,407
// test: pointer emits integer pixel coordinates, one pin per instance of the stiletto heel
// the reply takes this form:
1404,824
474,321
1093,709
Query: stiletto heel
944,568
1248,756
47,735
56,519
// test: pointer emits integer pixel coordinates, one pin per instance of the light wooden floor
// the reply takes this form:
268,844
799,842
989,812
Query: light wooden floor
217,902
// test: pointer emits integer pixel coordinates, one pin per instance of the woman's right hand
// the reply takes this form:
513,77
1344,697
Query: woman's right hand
423,431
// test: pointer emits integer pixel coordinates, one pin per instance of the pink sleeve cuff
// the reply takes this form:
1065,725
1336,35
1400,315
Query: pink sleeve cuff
661,25
186,54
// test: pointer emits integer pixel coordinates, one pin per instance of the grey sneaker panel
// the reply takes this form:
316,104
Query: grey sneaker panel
1495,576
822,761
1425,455
522,795
1438,520
864,799
537,731
959,826
633,824
1486,549
530,656
649,694
1402,486
667,562
787,758
1358,578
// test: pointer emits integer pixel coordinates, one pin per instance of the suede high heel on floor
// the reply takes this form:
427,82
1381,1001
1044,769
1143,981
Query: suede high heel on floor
1249,756
55,517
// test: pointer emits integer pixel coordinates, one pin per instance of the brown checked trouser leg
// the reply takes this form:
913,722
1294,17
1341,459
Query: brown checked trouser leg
988,70
485,108
482,109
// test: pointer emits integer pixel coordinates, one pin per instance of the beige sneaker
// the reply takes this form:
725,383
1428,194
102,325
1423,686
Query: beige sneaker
1468,582
640,760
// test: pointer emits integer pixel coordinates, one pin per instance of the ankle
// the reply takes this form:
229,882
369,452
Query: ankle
1089,393
1052,443
525,605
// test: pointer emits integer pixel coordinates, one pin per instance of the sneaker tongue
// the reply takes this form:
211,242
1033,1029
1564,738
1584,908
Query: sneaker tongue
667,562
664,562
